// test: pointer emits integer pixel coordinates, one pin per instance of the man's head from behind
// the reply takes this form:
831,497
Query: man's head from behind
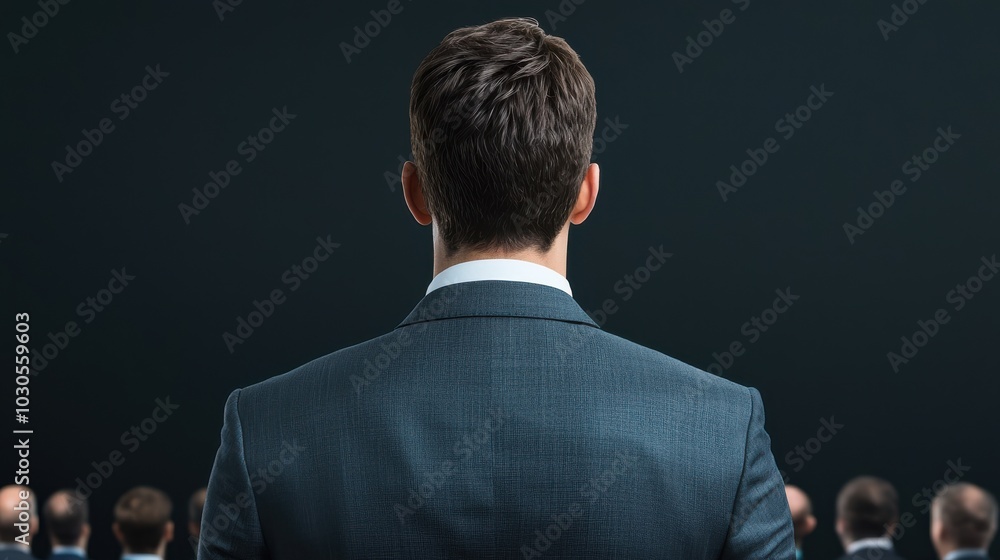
867,507
963,515
142,521
502,121
18,511
67,519
803,522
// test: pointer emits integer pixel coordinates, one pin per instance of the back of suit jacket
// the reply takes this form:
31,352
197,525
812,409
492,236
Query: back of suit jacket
496,421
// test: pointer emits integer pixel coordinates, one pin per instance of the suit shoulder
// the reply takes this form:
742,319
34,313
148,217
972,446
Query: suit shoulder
677,370
314,370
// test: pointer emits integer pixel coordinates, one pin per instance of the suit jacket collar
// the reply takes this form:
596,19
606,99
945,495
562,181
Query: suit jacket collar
498,298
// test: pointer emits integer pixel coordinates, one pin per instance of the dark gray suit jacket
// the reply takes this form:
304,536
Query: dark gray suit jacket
14,554
496,421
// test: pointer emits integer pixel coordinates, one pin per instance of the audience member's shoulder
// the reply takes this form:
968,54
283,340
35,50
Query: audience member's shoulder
676,370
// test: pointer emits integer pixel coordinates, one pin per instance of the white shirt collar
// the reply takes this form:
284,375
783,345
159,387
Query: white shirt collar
884,543
962,552
69,550
511,270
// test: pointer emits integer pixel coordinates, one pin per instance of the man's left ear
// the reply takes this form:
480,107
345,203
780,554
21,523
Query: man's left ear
588,195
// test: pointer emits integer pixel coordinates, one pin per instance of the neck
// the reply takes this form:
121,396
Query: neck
554,258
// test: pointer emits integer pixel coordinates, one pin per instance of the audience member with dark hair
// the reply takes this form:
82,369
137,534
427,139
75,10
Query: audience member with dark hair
803,522
196,505
867,513
142,523
15,544
67,518
963,522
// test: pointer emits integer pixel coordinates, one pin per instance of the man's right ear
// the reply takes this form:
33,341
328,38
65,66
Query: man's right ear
810,525
413,192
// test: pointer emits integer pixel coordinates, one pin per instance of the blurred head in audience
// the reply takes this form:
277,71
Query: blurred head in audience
867,507
803,521
142,521
68,519
195,507
18,511
963,517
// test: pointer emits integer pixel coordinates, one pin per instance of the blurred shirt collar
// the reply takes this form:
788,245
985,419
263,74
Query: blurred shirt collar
884,543
963,552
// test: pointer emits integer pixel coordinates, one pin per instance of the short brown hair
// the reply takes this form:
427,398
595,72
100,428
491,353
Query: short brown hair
969,513
502,121
868,506
142,515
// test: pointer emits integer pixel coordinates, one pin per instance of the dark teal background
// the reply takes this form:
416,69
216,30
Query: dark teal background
325,175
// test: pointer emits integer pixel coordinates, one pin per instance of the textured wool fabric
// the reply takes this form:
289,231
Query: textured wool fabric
496,421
